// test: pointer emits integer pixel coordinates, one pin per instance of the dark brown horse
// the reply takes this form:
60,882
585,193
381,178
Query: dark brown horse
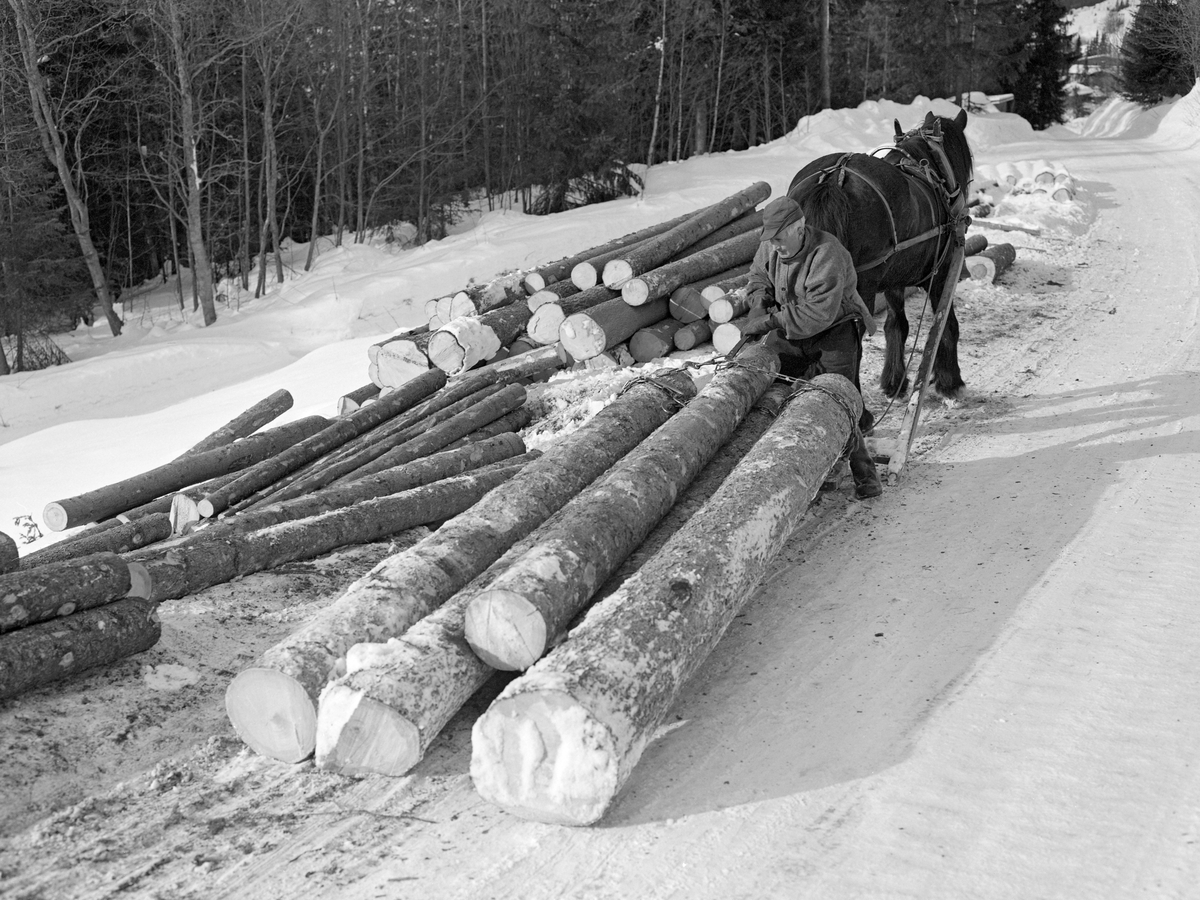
899,216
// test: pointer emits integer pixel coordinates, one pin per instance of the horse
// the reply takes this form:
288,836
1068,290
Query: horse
899,215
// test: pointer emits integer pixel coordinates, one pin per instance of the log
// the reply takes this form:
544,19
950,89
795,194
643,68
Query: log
584,269
726,286
656,251
990,263
200,562
107,501
273,704
463,343
512,623
717,259
405,335
733,305
559,742
551,294
270,470
690,302
975,244
10,557
400,360
691,336
348,403
590,333
509,423
395,698
546,322
728,335
28,596
258,415
501,291
121,538
751,221
654,341
51,651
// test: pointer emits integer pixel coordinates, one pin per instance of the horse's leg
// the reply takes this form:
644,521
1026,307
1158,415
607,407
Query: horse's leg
947,377
893,378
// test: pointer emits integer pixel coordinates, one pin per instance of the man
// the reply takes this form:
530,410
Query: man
804,298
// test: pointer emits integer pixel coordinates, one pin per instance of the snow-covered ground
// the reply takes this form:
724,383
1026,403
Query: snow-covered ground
982,684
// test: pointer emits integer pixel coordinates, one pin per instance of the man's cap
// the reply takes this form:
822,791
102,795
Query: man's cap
778,215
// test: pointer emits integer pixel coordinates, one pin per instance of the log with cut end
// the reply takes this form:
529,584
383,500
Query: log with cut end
717,259
691,336
51,651
244,454
690,302
400,360
28,596
990,263
503,290
655,341
273,703
405,335
727,286
732,306
335,435
584,269
258,415
348,403
751,221
560,741
590,333
10,557
120,538
655,252
975,243
545,323
529,605
728,335
463,343
551,294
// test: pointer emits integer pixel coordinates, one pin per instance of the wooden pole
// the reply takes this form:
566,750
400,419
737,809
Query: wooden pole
248,422
273,704
526,608
560,741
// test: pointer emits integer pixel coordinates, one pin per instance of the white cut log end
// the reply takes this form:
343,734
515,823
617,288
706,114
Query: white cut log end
55,517
540,299
584,276
534,282
205,508
542,756
505,630
446,352
980,268
725,337
544,325
139,581
711,293
272,714
720,311
582,337
635,292
616,273
360,736
184,514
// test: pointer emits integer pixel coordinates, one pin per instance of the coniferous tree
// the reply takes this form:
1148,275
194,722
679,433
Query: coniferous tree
1154,58
1039,91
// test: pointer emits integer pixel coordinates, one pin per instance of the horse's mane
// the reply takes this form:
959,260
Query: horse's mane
825,209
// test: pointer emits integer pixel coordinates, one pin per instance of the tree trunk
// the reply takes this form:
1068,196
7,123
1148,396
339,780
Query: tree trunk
523,611
51,651
191,469
654,341
655,252
463,343
271,470
590,333
120,538
693,335
545,324
975,244
273,704
28,596
560,741
691,302
717,259
512,422
551,294
250,421
991,262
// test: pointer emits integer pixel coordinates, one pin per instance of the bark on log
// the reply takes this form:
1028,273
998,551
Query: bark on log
10,557
501,291
461,344
250,421
203,561
273,703
551,294
348,403
51,651
28,596
401,360
337,434
512,623
661,281
509,423
693,335
560,741
545,323
121,538
590,333
690,302
654,341
991,262
975,244
395,698
107,501
655,252
751,221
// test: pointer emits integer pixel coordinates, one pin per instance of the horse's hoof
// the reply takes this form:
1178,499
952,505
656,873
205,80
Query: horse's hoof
894,391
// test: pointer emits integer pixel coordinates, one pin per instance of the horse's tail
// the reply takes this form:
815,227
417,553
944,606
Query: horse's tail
826,206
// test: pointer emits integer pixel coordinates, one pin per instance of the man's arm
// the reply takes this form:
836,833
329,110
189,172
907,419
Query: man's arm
824,284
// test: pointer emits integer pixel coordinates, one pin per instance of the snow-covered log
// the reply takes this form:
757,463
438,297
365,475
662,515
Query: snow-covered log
714,260
655,252
51,651
245,454
400,360
254,418
28,596
461,344
591,332
524,610
273,703
560,741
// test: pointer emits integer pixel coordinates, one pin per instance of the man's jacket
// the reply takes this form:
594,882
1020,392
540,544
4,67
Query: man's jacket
813,290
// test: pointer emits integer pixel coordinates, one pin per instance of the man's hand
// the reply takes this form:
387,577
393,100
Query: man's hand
756,325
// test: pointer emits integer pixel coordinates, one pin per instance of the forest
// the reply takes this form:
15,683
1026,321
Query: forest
141,137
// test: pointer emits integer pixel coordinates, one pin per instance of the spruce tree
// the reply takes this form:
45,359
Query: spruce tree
1154,65
1039,93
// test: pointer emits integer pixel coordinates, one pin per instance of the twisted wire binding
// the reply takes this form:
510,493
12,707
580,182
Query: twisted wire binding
676,396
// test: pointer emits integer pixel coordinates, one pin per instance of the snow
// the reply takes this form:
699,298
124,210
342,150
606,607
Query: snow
982,684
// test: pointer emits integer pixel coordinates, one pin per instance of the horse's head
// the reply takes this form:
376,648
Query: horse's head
943,142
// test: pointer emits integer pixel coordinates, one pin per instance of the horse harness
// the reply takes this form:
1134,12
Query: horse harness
940,185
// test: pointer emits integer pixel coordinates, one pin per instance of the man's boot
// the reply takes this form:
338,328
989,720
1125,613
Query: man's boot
862,467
